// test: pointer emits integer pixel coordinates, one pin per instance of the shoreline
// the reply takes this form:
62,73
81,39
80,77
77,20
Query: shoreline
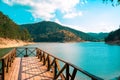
8,43
117,42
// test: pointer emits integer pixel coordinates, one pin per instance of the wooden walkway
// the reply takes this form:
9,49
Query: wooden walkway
18,65
28,68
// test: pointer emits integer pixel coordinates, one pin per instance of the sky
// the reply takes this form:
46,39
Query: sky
84,15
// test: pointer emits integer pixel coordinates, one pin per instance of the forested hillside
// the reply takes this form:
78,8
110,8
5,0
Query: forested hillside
47,31
99,36
113,37
9,29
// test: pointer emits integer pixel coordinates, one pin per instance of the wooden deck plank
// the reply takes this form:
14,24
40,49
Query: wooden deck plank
34,70
11,75
28,68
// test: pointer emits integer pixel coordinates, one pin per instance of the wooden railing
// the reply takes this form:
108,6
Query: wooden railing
25,52
6,63
7,60
53,64
64,73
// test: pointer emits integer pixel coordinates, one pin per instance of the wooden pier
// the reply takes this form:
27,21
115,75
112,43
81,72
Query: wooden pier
36,64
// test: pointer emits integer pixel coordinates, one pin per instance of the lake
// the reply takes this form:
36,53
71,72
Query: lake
98,58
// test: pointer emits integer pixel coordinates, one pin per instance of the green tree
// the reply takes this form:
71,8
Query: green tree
9,29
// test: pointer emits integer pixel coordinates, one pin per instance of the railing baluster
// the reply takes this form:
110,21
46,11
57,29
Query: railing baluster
51,63
55,69
48,68
44,58
74,74
7,62
93,79
26,55
63,68
67,71
12,58
68,75
59,69
41,55
10,61
7,68
37,53
3,69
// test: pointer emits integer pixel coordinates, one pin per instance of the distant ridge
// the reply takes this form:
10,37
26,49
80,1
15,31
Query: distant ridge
113,37
47,31
99,36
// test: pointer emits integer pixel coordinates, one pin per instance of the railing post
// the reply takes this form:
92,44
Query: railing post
93,79
41,54
52,62
74,74
26,52
48,68
67,71
15,53
10,61
7,67
44,58
3,70
37,53
12,57
55,69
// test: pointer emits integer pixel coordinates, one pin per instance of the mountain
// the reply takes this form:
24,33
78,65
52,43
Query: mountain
47,31
113,37
9,29
99,36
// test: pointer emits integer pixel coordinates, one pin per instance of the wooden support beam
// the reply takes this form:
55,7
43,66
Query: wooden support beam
3,69
60,72
67,71
74,74
55,69
45,57
48,68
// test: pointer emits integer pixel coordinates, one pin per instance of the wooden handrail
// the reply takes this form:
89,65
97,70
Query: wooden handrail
25,51
49,60
7,61
40,54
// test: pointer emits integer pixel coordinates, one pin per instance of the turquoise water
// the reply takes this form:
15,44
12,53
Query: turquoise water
98,58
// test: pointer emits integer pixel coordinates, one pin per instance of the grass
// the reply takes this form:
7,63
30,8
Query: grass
4,51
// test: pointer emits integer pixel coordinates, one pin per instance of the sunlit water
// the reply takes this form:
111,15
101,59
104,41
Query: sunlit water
97,58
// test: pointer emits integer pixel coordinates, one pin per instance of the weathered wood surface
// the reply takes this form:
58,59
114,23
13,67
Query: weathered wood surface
43,67
14,70
28,68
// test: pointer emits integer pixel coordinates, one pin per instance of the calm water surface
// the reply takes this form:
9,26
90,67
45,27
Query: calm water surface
97,58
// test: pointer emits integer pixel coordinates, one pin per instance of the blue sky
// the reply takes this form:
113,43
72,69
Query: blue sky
83,15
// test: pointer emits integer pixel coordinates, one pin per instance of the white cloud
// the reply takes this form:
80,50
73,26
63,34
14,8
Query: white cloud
57,21
84,2
72,14
45,9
